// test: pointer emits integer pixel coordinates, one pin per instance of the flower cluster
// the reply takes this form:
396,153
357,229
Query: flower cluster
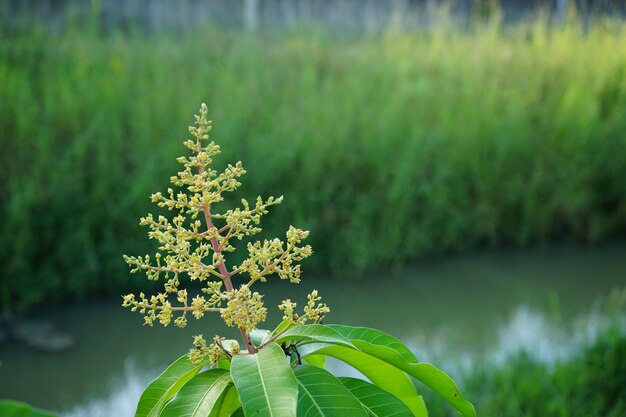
192,244
220,348
313,310
244,310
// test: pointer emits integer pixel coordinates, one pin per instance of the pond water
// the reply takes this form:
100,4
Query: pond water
453,311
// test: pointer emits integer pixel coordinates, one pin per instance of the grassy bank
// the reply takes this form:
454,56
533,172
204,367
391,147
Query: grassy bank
584,375
388,148
589,384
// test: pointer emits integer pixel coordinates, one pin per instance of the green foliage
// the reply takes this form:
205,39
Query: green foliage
390,350
321,394
162,389
420,142
591,383
201,396
269,379
10,408
601,379
377,402
268,384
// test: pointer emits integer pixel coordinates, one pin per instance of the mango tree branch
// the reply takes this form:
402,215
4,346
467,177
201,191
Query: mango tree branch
276,336
206,310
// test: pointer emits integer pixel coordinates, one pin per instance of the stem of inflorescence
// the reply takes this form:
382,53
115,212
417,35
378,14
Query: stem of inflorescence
223,270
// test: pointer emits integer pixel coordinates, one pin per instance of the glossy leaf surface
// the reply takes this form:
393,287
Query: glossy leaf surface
316,332
386,376
266,384
257,336
426,373
320,394
374,337
441,383
228,402
199,396
317,360
165,386
392,351
377,402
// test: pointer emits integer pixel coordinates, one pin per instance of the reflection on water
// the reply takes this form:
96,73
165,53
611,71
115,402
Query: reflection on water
530,331
121,400
455,312
545,341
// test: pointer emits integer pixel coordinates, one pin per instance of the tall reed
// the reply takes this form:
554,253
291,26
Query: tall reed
421,142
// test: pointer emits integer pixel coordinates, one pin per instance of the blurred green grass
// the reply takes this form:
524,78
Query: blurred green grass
582,373
388,147
592,383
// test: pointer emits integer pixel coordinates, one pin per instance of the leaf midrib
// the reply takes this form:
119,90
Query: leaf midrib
207,392
256,362
310,396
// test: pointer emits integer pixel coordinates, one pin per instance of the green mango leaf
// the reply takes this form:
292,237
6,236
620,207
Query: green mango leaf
374,337
316,332
317,360
199,396
392,351
429,375
281,326
228,402
258,336
266,384
386,376
377,402
165,386
10,408
441,383
238,413
223,363
231,345
320,394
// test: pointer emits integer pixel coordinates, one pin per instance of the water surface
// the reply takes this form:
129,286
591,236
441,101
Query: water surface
450,311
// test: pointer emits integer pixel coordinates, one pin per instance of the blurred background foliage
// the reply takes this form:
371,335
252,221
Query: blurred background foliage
397,130
589,384
390,145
